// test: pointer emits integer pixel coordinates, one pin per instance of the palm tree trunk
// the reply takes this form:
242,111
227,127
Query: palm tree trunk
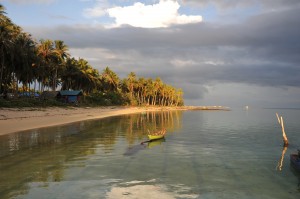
2,70
54,79
34,86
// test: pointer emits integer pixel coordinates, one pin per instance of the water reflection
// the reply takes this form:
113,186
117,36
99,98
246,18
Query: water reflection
48,155
143,145
156,143
139,125
296,173
212,155
280,162
150,190
134,149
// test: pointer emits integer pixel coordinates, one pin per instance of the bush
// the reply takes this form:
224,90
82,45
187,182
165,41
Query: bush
106,99
29,102
5,103
95,99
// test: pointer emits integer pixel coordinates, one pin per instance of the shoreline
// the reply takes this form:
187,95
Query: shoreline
13,120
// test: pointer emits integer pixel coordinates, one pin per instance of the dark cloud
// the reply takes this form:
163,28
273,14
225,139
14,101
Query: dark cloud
262,50
233,4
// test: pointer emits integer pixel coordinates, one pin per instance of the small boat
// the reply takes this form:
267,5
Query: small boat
156,137
295,160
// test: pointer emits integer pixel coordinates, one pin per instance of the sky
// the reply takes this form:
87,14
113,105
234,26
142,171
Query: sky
220,52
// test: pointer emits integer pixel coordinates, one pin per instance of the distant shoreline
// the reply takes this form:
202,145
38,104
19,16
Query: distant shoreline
20,119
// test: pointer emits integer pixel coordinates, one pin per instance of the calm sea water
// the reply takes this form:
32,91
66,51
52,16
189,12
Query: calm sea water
205,154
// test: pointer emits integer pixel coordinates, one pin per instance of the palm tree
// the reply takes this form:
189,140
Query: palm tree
61,50
24,60
8,34
69,73
5,43
139,90
2,12
178,95
110,80
90,76
170,95
130,84
162,93
157,86
61,54
149,91
79,75
46,54
5,49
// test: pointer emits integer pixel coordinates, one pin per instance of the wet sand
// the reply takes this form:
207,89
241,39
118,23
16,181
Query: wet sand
20,119
15,119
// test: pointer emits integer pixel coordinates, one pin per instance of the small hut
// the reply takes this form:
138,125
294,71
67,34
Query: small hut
70,96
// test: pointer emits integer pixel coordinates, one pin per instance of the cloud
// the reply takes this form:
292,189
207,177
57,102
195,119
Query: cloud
94,12
260,51
257,54
267,5
162,14
180,63
98,11
234,11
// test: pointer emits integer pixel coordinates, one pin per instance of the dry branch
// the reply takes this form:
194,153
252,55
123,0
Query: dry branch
281,123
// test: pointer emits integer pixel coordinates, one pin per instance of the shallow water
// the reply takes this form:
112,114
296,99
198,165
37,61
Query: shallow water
205,154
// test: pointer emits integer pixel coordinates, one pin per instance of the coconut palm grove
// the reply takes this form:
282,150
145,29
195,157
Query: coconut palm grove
34,67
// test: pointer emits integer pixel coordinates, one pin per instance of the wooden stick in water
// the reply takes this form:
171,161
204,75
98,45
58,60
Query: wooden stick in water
278,118
285,139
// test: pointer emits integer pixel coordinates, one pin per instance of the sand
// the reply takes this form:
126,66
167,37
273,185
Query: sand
20,119
14,119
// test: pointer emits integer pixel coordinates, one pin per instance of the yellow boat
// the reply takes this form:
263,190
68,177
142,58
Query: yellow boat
155,137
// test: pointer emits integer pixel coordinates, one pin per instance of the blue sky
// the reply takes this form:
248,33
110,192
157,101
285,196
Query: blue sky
52,13
231,53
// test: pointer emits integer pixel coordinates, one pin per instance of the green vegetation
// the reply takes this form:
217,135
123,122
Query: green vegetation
30,66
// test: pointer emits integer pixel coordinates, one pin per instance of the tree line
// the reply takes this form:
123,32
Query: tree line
28,65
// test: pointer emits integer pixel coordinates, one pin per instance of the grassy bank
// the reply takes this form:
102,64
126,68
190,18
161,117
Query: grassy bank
29,102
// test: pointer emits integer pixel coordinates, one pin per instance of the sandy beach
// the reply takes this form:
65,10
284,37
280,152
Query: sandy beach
20,119
16,119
